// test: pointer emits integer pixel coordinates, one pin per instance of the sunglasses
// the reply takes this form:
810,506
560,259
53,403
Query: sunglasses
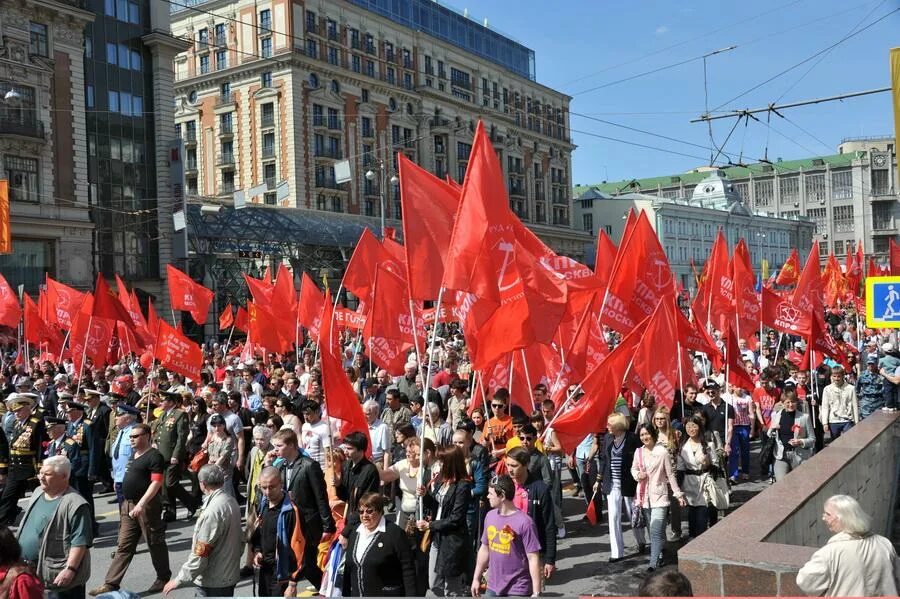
367,511
270,426
137,436
498,406
526,438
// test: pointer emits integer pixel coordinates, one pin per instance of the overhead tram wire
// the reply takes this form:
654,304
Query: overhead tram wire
806,60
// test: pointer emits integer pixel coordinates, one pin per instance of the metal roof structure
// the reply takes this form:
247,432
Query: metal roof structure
227,243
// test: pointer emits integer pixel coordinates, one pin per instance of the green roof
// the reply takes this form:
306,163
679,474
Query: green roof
733,172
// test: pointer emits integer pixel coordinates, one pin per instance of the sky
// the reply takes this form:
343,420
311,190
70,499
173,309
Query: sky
581,45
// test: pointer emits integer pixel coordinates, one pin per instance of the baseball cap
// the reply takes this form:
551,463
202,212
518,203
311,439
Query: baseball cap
872,360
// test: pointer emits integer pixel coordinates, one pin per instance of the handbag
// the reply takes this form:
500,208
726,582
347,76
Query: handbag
715,490
637,508
766,452
199,460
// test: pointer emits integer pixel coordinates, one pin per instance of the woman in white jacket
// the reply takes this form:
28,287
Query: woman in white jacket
855,562
794,435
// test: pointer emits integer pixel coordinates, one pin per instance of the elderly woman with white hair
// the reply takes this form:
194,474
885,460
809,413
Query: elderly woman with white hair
855,562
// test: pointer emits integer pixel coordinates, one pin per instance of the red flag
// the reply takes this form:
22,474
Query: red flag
656,356
894,257
107,305
242,320
178,353
10,311
359,276
283,293
746,302
871,268
808,296
90,336
737,374
152,320
532,305
226,318
591,513
715,296
855,271
312,302
481,250
582,354
267,276
821,342
37,331
268,330
601,388
65,301
187,295
782,315
641,279
340,400
833,281
261,291
606,256
429,209
790,272
389,316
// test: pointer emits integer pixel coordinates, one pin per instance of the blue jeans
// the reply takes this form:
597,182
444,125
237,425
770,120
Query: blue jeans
656,517
839,428
740,449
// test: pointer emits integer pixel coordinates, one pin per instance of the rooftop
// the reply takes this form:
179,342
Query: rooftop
734,173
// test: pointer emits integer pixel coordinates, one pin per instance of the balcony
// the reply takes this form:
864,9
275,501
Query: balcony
462,84
224,100
221,40
267,120
226,129
516,170
327,183
268,151
319,121
271,183
561,201
226,159
438,123
561,220
190,137
190,165
884,227
517,190
334,153
23,128
334,123
367,132
202,46
882,194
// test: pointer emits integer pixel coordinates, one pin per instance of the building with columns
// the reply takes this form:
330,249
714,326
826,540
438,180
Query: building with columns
128,83
274,93
43,148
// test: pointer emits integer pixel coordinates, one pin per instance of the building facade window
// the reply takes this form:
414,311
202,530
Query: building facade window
842,185
815,188
789,189
265,79
204,65
312,49
587,222
266,47
265,20
333,57
880,182
764,193
843,219
820,217
22,174
221,60
39,41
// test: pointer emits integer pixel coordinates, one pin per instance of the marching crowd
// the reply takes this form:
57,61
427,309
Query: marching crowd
439,496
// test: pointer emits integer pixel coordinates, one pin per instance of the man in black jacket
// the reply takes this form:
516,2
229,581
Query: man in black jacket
305,483
358,477
540,505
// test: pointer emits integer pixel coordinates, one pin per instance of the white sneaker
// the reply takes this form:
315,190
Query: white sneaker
561,532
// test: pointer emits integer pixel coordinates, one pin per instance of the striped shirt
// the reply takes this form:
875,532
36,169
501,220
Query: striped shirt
615,462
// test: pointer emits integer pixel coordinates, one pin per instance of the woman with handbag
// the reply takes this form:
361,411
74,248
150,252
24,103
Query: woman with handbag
616,456
653,469
197,417
447,502
694,460
793,434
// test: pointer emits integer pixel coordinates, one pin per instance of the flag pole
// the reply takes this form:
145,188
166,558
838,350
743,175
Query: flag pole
84,354
528,379
560,410
680,378
227,343
426,380
778,348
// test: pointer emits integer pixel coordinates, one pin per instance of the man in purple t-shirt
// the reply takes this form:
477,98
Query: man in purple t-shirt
510,548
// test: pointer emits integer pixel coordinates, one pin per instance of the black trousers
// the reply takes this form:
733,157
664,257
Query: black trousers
85,488
268,583
17,484
173,490
312,536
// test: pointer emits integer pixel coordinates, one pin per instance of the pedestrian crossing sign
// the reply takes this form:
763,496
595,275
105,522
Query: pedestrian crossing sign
883,302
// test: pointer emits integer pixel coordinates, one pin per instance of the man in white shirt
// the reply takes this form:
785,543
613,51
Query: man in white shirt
314,434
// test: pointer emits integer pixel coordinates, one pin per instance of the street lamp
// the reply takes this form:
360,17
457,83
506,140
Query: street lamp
12,95
370,176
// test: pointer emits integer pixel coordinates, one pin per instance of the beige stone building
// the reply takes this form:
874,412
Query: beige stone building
274,93
43,148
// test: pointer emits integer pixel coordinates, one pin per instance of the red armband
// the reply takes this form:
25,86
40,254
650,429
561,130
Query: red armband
156,477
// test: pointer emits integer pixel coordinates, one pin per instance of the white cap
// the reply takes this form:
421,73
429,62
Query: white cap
887,347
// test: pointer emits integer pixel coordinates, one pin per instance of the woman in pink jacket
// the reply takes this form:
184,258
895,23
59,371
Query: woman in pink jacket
653,469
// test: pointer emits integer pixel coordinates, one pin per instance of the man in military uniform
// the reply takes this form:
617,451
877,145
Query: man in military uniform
169,436
99,415
59,443
84,471
25,444
869,388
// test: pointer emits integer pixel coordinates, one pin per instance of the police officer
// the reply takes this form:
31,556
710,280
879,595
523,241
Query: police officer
120,449
25,444
870,388
84,470
59,443
169,436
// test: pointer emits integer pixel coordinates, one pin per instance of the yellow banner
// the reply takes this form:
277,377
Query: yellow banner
5,228
895,94
765,270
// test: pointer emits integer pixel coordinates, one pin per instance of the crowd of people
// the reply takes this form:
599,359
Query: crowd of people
440,495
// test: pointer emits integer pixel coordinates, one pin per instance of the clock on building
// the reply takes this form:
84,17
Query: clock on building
879,160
